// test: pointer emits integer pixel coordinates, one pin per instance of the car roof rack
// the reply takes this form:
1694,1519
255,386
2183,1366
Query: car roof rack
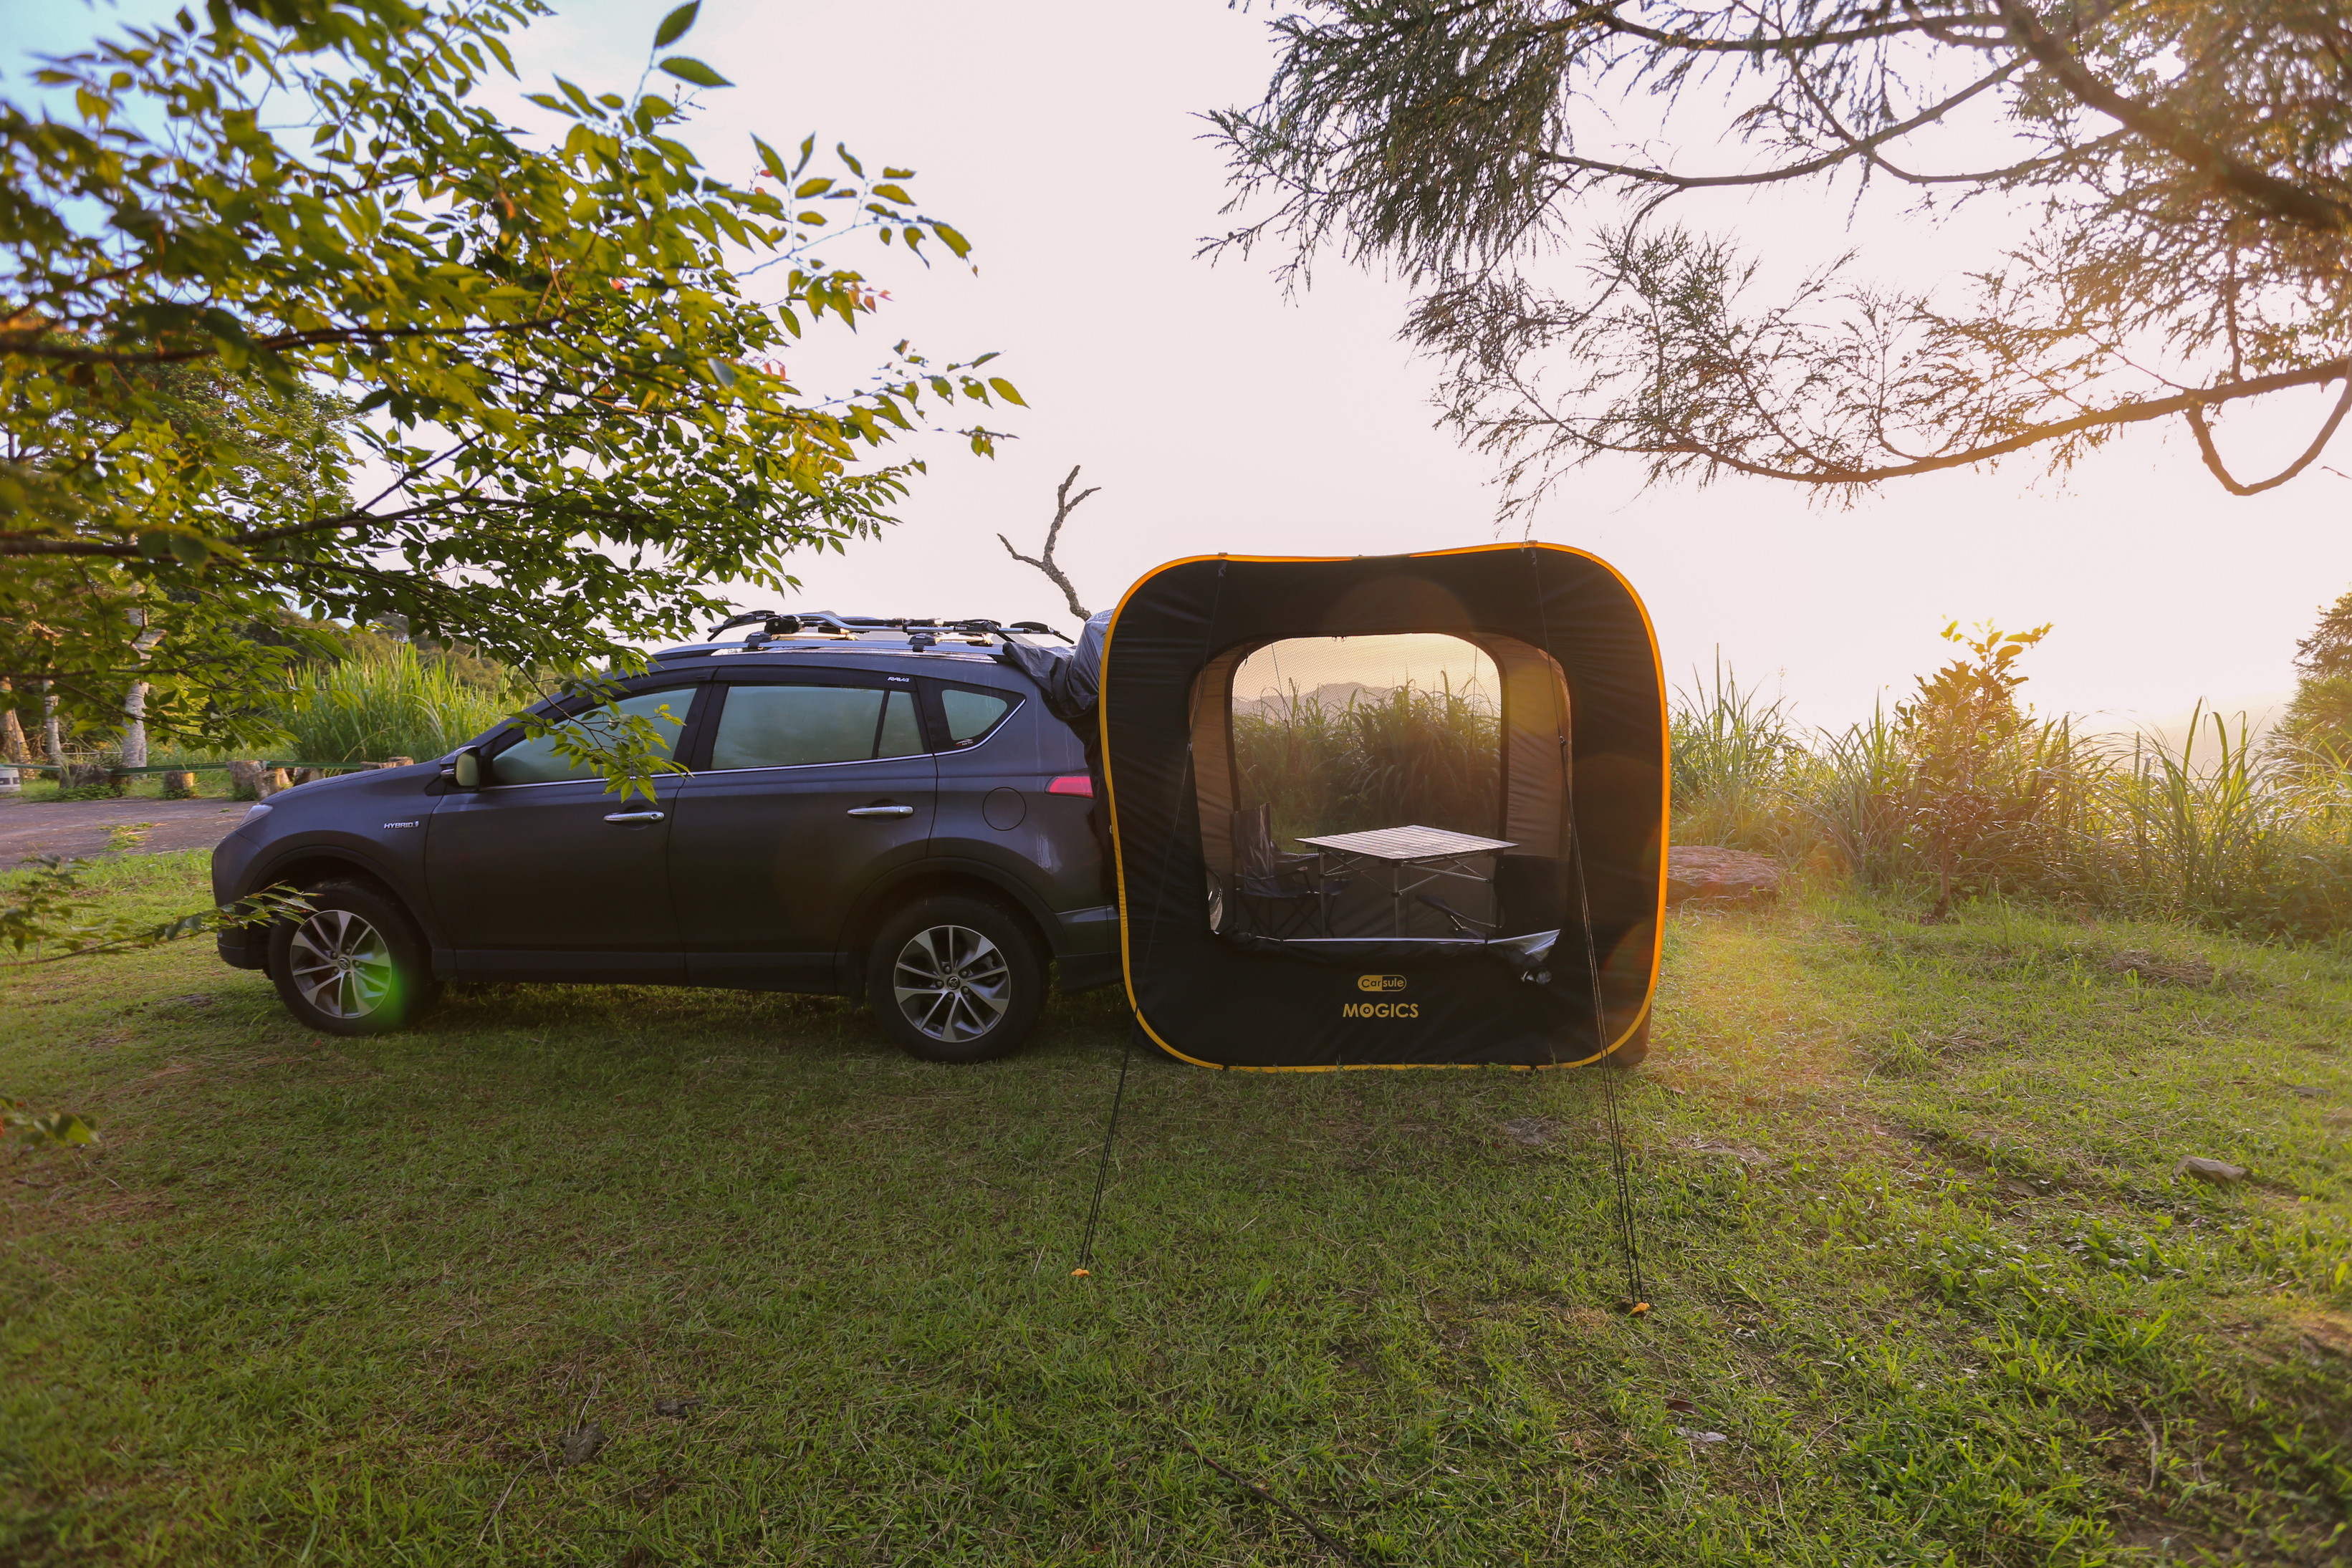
821,626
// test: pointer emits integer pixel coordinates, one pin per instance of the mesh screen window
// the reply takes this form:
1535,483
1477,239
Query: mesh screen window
1337,735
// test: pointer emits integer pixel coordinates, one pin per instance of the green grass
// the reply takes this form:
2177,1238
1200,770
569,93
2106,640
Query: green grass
1904,1191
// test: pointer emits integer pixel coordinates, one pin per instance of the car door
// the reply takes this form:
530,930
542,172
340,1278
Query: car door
543,874
817,784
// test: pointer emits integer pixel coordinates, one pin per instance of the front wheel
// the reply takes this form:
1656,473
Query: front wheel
955,979
355,965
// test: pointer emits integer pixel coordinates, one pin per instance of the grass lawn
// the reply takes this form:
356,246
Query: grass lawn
1927,1290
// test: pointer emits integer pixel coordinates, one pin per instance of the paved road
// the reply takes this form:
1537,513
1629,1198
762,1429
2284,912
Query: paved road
80,829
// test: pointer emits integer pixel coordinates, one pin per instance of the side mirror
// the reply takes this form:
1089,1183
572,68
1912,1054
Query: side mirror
467,773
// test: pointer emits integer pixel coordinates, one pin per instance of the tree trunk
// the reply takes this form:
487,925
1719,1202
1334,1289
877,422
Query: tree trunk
134,725
134,701
12,732
53,737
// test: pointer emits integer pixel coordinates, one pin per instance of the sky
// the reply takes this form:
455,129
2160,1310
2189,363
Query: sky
1217,412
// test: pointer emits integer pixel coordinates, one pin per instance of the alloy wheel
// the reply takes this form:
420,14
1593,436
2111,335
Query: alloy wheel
952,983
342,965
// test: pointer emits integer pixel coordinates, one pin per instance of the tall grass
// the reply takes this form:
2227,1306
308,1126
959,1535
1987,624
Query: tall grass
1378,759
2219,830
388,703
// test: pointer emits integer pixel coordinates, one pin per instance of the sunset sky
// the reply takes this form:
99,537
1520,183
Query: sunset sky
1218,414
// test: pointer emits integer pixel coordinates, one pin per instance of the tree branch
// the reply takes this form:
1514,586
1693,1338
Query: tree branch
27,343
1606,17
1064,504
2213,457
2283,198
1853,146
2137,412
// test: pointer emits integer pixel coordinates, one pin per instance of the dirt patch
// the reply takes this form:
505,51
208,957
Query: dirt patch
2154,970
79,830
1755,1158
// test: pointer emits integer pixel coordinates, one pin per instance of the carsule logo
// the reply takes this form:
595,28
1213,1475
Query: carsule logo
1380,1009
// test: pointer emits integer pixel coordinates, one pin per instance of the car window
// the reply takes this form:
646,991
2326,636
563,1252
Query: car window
971,715
792,727
534,761
902,734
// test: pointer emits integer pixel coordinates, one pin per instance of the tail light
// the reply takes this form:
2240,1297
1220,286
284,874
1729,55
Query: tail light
1072,784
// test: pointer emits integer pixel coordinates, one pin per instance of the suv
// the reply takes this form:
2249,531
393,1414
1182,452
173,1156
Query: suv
870,808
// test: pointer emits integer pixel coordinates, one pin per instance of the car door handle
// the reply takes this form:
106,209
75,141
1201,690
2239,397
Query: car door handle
881,810
633,816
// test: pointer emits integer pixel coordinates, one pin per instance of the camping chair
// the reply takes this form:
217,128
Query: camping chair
1282,893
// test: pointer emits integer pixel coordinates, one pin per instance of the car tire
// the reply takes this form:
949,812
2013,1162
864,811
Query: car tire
355,964
955,979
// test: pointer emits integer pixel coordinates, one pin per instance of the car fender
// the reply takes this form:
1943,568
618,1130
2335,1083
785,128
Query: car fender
866,912
361,855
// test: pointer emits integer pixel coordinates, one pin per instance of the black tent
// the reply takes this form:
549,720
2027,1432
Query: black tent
1384,937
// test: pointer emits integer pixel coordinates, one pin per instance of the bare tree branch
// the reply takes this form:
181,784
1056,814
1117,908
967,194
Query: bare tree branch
1064,505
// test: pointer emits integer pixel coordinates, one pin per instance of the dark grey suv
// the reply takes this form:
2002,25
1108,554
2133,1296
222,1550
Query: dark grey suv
877,809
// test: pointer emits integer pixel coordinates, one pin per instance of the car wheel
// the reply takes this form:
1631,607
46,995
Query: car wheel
955,979
355,965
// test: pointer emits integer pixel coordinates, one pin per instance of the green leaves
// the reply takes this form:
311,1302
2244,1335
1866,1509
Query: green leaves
674,26
47,906
535,350
39,1128
686,68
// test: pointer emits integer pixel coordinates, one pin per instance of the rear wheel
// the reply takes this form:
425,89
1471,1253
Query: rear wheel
956,979
355,965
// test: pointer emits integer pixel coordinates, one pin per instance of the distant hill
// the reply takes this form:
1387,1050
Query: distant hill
1330,695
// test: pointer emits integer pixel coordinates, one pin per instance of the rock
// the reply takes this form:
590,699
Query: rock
179,786
250,781
2217,1171
1719,875
581,1444
676,1406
